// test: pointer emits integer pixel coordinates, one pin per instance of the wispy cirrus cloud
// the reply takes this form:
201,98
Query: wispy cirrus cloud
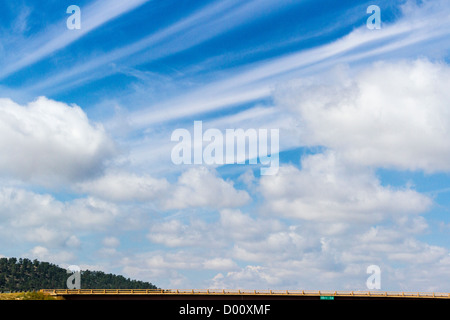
414,33
206,23
55,38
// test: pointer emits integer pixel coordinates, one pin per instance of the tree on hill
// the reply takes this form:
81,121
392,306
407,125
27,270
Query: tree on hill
27,275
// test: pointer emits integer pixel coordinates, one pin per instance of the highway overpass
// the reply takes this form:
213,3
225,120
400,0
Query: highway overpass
209,294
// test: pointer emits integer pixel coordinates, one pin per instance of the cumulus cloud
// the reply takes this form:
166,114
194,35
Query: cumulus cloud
42,219
44,254
262,252
237,225
122,186
246,278
196,187
326,188
166,268
345,220
111,242
174,233
338,262
200,187
219,264
232,225
392,115
48,140
328,272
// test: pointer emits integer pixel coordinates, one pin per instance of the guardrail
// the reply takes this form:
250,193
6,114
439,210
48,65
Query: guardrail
392,294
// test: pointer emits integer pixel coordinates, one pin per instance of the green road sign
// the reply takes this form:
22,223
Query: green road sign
326,297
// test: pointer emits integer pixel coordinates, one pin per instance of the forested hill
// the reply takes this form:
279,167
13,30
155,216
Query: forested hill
26,275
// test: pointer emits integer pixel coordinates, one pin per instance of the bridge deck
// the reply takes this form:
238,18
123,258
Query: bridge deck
240,294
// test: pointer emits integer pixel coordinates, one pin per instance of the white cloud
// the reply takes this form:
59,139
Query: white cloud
236,225
28,217
392,115
91,213
345,221
43,235
44,254
339,263
48,140
122,186
174,233
232,225
167,268
111,242
329,189
196,187
415,34
245,278
261,253
200,187
219,264
73,242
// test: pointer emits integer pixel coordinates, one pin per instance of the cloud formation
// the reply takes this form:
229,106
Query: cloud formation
195,187
200,187
326,188
48,141
392,115
124,186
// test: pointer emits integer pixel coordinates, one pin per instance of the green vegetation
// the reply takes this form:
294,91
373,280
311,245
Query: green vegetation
18,275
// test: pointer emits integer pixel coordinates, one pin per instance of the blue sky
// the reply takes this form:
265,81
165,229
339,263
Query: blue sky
86,117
